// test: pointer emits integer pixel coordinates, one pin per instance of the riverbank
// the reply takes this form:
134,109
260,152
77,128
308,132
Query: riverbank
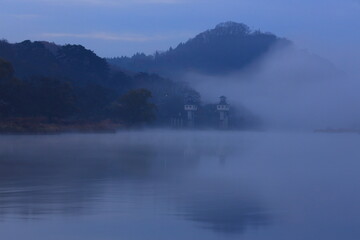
34,126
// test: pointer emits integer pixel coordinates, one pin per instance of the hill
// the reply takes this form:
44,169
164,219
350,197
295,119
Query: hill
229,46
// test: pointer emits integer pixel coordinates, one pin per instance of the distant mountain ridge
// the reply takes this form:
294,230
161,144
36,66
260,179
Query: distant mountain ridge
229,46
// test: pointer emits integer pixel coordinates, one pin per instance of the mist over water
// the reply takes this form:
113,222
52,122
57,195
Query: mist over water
289,89
180,185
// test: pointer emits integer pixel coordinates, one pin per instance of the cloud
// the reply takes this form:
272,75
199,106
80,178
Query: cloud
112,37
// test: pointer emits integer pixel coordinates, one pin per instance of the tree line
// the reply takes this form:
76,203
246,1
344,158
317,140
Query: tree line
53,100
45,82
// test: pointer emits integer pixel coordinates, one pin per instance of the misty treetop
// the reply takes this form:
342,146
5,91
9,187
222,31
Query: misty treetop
71,62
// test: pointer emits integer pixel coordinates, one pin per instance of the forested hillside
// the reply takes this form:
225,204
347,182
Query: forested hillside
228,47
44,80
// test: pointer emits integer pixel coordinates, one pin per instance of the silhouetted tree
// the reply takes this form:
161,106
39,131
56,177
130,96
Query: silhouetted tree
6,70
53,99
93,101
134,107
12,92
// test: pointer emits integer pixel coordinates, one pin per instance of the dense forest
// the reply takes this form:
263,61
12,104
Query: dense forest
41,80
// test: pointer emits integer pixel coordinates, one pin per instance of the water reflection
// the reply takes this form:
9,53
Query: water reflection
44,176
221,206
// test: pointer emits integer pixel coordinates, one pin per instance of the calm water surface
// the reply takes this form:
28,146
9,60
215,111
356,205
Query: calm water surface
180,185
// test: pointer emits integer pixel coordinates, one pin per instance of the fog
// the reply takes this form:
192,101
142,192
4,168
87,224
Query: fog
158,184
289,89
128,179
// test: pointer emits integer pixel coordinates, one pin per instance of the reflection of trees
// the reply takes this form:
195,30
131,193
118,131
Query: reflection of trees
68,174
49,177
222,207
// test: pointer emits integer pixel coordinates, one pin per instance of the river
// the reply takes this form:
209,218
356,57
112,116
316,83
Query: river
188,185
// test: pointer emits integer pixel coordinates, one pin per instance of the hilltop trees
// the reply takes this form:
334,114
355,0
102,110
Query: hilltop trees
228,47
72,63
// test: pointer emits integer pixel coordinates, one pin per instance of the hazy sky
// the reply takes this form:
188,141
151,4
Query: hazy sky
123,27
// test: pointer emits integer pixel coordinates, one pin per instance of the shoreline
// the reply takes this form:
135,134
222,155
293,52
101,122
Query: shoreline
24,127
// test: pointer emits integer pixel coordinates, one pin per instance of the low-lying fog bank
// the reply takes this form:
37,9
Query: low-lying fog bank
289,89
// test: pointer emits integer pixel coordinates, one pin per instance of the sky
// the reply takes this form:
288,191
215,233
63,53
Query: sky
111,28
